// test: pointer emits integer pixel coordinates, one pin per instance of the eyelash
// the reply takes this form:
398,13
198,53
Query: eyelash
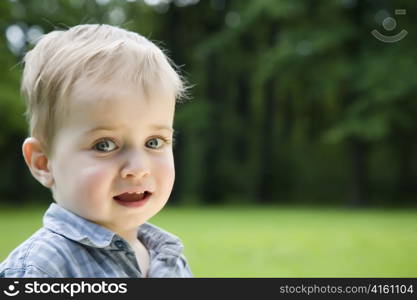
166,141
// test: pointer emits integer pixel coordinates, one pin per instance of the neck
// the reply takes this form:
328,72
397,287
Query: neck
129,235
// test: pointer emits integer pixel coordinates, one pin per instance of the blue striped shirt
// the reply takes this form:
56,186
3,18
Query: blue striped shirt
70,246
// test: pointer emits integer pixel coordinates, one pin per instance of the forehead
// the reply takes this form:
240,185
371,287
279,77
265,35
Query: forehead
92,104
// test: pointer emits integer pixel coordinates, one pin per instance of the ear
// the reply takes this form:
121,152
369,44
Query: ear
37,161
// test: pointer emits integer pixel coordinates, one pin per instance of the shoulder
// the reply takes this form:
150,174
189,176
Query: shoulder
44,254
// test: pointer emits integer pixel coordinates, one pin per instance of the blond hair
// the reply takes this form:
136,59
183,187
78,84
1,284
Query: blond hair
101,53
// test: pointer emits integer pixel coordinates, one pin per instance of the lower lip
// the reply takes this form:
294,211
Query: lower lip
138,203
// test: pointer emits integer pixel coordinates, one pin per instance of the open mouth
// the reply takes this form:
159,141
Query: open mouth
132,199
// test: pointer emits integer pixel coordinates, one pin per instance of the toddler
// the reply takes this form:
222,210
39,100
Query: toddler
100,106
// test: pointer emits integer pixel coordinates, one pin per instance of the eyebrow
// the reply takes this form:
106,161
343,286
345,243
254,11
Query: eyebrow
110,128
162,127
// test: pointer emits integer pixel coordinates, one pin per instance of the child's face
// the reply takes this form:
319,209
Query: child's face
109,145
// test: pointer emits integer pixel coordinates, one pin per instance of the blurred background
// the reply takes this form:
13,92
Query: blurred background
296,154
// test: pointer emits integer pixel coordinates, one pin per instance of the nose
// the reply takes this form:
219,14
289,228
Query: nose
135,166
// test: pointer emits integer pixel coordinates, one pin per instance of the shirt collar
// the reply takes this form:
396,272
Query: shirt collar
73,227
76,228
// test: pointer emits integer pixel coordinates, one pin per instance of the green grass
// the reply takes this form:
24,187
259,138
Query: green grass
272,241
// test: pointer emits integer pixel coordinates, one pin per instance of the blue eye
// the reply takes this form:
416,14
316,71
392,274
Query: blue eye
155,143
105,146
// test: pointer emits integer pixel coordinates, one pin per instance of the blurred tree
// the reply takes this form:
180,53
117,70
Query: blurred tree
316,78
12,125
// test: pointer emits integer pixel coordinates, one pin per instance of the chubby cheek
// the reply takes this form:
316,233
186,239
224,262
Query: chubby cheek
165,174
89,189
94,183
